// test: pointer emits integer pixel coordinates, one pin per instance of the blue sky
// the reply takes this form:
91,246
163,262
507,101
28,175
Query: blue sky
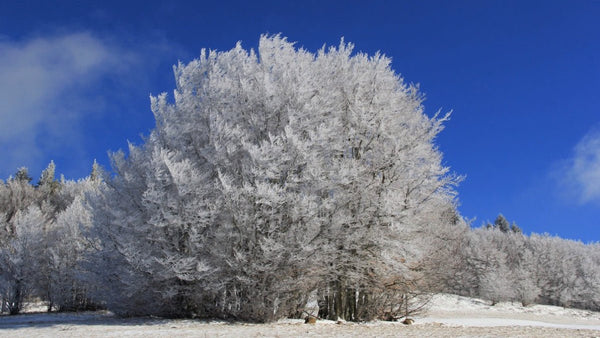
521,77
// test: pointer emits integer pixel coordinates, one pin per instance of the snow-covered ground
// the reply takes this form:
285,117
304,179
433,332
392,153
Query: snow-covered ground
447,316
452,310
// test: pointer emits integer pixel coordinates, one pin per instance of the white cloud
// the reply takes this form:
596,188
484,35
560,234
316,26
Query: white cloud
36,75
57,87
582,171
52,87
38,91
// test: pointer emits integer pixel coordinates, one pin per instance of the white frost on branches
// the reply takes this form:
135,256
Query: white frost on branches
271,175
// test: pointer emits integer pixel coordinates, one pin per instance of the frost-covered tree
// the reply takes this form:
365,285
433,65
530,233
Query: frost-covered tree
23,175
504,266
501,223
19,258
496,285
96,173
525,284
515,228
565,272
68,286
149,260
50,202
17,197
270,176
39,228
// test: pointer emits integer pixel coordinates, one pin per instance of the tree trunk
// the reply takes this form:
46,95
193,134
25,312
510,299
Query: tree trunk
340,302
350,311
14,305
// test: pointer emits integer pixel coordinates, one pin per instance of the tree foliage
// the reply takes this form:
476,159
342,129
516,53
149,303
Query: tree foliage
274,174
511,266
41,245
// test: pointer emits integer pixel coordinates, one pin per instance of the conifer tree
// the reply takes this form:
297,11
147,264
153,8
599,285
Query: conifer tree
515,228
501,224
23,175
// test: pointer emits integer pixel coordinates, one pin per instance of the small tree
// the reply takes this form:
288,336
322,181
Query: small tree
23,175
19,259
497,284
501,224
17,197
515,228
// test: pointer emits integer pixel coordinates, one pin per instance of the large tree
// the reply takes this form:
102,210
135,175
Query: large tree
270,176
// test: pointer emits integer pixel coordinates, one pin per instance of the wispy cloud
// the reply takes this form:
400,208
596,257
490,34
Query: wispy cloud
48,86
581,173
38,77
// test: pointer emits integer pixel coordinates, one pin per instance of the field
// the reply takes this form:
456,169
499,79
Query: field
447,316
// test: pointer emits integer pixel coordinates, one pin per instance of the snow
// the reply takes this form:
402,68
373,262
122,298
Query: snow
493,322
452,310
447,315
